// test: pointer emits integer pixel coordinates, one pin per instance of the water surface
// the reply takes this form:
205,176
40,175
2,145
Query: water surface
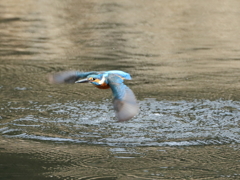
184,60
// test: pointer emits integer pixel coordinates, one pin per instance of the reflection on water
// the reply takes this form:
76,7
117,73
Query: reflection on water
184,60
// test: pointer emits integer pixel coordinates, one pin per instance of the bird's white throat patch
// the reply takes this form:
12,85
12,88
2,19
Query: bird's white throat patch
102,80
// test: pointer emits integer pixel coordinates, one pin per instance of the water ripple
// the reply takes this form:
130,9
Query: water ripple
160,123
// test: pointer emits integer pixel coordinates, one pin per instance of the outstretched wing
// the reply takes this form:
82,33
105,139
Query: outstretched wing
69,76
124,101
122,74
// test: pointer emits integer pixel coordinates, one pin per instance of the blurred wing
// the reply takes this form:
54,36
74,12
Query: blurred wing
68,76
124,102
126,108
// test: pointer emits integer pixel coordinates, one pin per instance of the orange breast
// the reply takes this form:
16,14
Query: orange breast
102,86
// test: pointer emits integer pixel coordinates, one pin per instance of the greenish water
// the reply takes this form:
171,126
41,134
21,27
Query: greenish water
183,57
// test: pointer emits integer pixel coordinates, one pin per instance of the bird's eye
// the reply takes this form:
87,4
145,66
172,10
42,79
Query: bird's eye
91,79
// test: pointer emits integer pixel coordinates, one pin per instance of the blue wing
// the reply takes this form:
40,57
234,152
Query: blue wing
72,76
124,101
69,76
119,73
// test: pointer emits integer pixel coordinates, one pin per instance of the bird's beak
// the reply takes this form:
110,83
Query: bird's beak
82,81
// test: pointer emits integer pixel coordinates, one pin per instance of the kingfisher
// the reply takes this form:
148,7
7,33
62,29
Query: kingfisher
124,100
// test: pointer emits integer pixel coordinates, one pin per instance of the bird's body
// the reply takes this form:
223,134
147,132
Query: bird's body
102,86
124,101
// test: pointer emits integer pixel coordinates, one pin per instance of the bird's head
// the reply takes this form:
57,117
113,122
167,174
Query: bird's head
97,80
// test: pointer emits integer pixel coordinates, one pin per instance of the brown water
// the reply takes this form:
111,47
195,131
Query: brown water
184,60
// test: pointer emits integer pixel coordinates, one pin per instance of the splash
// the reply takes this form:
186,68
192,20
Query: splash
160,123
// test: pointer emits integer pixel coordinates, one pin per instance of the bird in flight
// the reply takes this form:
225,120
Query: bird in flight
124,100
